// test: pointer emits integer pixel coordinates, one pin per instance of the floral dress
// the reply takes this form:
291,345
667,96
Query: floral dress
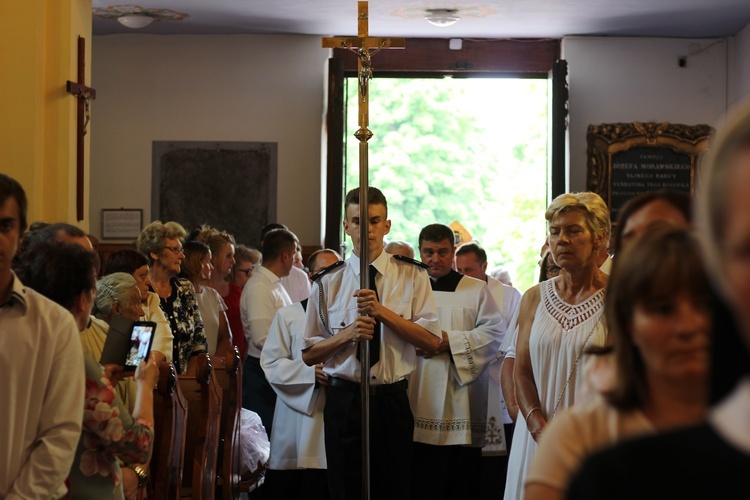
109,433
181,310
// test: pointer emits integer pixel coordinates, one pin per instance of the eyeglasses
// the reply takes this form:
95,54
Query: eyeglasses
246,272
176,250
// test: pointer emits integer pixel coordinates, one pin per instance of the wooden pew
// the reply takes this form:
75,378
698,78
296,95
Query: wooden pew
230,460
170,425
229,378
203,395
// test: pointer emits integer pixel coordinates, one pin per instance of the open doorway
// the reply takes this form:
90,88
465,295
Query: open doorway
489,62
469,150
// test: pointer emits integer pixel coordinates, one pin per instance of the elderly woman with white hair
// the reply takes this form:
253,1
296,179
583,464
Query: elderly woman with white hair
116,293
557,320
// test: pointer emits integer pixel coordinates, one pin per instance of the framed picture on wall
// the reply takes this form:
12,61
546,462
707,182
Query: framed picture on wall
121,223
627,159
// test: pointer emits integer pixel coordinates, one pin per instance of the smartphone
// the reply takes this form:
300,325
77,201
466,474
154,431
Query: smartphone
128,342
141,338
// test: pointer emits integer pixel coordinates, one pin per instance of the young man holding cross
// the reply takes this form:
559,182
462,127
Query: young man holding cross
399,317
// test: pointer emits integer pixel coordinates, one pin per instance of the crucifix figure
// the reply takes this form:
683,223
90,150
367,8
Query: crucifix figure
365,47
85,95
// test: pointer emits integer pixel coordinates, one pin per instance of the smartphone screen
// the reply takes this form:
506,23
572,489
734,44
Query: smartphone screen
141,338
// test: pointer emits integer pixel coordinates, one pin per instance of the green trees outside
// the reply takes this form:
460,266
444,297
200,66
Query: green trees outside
466,150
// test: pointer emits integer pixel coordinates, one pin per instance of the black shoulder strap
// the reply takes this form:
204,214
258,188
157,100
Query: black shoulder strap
404,258
323,272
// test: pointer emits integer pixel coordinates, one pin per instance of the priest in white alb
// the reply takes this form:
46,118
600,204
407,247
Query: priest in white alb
448,390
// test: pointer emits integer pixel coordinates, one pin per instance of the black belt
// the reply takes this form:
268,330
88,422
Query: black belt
375,390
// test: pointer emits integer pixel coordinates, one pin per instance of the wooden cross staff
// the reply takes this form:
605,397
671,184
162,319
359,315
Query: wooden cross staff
84,95
365,47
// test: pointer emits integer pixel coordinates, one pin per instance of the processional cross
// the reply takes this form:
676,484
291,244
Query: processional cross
84,95
365,47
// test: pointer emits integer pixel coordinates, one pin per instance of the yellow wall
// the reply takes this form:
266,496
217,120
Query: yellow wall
38,126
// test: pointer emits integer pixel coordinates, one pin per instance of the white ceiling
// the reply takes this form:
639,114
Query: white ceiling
486,19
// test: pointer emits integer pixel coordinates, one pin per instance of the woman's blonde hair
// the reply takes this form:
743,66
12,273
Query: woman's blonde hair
596,211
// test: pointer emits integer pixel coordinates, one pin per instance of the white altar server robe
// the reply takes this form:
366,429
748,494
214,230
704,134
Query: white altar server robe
448,392
297,438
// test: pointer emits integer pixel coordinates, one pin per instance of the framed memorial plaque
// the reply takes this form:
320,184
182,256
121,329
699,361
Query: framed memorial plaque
627,159
122,223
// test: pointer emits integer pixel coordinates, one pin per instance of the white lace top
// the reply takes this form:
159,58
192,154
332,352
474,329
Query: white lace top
559,334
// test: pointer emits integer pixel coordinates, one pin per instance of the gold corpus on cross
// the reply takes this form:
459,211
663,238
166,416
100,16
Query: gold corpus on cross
365,47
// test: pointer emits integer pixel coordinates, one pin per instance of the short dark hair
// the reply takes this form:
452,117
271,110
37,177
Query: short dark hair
9,187
126,260
60,271
436,233
276,242
679,200
472,247
50,232
270,227
374,197
316,253
30,236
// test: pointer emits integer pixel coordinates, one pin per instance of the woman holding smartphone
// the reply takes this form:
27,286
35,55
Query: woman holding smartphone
66,274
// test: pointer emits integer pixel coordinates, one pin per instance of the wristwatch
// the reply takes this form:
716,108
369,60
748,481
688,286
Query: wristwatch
142,476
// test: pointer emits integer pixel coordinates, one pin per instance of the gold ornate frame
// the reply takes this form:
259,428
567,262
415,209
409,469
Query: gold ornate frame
627,159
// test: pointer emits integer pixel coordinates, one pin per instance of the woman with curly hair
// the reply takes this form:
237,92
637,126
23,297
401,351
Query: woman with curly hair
162,244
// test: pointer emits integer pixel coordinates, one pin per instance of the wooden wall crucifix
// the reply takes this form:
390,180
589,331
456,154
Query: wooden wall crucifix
84,94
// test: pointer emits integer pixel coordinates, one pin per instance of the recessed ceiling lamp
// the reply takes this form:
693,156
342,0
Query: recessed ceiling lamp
442,17
135,16
135,21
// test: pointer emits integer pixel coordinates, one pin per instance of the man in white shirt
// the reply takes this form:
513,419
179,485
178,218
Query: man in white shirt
339,316
297,463
41,373
296,283
261,297
448,390
471,260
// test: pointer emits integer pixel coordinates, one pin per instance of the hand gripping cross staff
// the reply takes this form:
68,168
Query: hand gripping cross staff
365,47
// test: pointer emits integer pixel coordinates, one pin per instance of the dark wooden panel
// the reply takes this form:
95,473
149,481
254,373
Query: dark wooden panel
476,56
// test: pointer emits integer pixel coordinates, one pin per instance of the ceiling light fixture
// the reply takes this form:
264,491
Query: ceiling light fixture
442,17
135,21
